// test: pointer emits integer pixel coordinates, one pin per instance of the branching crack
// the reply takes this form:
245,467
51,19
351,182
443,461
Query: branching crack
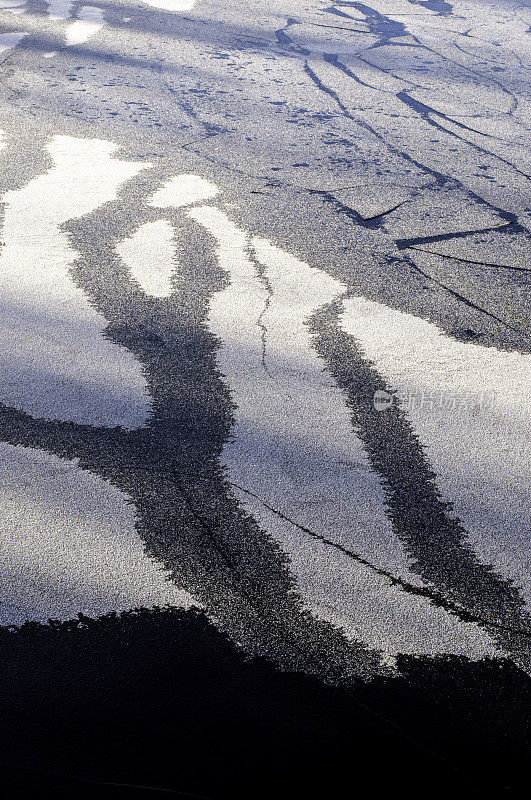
440,178
466,301
424,111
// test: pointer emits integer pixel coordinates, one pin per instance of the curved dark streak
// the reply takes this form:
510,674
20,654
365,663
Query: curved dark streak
336,27
194,527
434,539
482,76
418,106
429,594
384,213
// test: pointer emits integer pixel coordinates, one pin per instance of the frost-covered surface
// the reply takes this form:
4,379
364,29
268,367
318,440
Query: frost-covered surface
55,362
226,227
75,548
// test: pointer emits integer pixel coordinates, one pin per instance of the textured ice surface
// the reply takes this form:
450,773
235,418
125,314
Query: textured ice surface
54,358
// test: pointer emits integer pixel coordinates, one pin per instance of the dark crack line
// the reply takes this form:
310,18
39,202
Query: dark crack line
483,58
466,301
385,213
342,207
93,781
336,27
140,787
430,110
433,537
374,21
201,139
328,197
468,260
207,529
424,111
481,76
439,177
286,41
264,280
388,72
437,598
333,59
375,17
64,433
446,237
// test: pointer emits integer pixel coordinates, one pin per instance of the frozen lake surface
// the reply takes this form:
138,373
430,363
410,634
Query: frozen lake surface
227,228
